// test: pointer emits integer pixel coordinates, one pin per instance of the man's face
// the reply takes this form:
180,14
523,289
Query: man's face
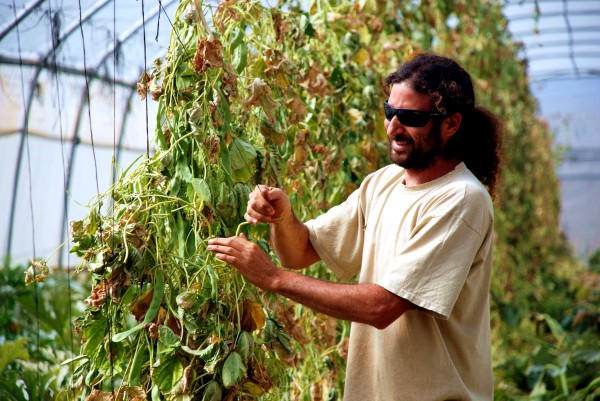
414,148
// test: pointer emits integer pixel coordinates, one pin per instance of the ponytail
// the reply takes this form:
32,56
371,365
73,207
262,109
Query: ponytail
478,143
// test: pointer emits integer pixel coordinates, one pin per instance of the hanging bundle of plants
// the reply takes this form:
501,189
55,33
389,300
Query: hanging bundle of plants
238,101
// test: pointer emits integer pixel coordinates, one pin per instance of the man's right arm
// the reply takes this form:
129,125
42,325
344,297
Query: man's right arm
292,243
288,234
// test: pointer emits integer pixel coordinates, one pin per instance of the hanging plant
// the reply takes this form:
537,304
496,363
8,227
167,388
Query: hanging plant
239,103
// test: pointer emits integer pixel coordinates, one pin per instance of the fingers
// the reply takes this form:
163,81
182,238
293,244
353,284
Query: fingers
236,251
225,249
259,208
234,243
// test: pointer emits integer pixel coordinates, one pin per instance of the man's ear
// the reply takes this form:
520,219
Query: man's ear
450,125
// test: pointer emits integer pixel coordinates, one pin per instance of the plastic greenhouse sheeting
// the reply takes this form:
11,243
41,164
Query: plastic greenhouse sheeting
68,79
68,74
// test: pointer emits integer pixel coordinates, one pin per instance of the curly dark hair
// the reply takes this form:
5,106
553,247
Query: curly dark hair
478,141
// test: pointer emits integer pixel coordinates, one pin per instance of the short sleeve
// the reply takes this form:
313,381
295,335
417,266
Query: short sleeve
431,269
338,236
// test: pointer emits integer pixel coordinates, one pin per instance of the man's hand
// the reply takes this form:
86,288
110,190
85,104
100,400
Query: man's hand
267,205
251,261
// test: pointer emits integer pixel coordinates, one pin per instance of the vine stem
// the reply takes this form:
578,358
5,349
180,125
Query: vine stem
239,228
203,19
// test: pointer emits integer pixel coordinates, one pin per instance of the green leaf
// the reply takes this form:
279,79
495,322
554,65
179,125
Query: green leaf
168,338
233,370
155,394
186,299
202,190
557,331
243,160
212,392
224,110
272,332
185,77
94,334
167,374
225,161
309,30
183,170
245,345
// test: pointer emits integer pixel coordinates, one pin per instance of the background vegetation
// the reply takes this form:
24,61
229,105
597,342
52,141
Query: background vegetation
289,97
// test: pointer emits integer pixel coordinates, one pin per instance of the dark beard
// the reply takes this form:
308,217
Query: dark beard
419,158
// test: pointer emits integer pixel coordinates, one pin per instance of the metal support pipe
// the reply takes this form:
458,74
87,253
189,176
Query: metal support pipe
10,25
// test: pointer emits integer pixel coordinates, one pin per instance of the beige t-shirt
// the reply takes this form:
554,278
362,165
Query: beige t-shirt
430,244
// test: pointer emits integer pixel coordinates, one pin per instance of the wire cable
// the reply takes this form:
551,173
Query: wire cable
35,284
54,34
144,74
87,89
89,107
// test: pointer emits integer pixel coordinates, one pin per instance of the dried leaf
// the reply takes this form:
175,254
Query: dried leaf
209,54
297,110
98,395
278,69
316,83
229,80
225,15
37,272
270,132
155,89
342,347
281,26
298,159
136,393
356,116
259,381
362,57
98,296
253,316
140,306
143,85
260,95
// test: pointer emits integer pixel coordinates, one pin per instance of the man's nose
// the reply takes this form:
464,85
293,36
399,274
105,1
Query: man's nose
393,127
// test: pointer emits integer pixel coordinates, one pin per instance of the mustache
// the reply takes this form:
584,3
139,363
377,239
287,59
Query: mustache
402,138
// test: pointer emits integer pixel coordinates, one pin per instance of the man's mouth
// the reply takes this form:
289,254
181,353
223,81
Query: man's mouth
401,141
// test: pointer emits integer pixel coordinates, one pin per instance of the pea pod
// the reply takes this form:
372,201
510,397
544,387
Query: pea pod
136,365
237,40
213,283
243,60
159,288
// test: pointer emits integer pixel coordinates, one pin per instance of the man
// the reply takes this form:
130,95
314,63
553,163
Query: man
418,233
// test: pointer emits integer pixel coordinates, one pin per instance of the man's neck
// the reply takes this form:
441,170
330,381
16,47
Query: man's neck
438,169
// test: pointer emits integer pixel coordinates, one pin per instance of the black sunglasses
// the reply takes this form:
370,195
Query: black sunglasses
408,117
